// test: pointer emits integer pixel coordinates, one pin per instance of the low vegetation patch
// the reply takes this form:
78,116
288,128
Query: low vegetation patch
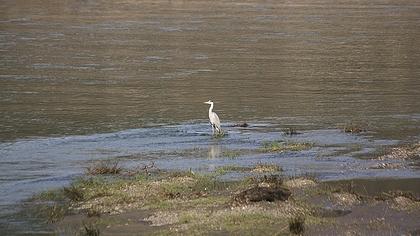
103,168
300,182
90,230
74,193
404,152
54,212
219,135
386,165
188,203
258,168
353,128
231,154
258,194
231,168
290,131
400,200
266,167
281,146
297,225
345,199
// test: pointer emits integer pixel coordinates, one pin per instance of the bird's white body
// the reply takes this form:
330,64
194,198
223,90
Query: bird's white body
214,119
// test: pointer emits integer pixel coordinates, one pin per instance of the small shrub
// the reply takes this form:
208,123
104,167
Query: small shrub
353,128
265,167
103,168
297,225
290,131
53,213
220,134
73,193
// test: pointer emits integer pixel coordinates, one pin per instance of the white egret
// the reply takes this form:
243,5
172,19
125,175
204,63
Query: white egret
214,119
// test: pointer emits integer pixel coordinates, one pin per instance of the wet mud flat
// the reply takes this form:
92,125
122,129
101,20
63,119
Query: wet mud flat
113,200
157,202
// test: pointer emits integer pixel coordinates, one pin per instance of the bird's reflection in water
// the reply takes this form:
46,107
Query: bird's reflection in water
214,151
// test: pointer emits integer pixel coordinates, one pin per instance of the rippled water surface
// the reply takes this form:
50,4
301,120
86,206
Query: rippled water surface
98,79
78,67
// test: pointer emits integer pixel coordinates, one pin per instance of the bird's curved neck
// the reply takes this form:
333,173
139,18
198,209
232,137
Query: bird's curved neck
211,108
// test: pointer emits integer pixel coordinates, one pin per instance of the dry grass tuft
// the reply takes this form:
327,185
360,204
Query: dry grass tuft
353,128
290,131
297,225
90,230
93,212
300,182
405,152
103,168
345,199
74,193
258,194
264,167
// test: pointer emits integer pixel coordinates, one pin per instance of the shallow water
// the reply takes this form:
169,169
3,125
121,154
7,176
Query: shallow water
92,79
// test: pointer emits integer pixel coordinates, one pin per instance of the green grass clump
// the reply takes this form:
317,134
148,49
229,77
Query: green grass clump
53,213
90,188
56,195
259,168
232,154
281,146
231,168
220,135
103,168
175,174
354,128
266,167
290,131
74,193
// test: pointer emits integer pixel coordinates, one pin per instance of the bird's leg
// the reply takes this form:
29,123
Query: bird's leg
212,128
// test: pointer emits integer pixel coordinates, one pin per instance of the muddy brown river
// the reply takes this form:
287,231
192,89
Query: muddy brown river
98,79
82,67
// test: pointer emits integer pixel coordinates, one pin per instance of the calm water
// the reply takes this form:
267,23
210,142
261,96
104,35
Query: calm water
91,79
82,67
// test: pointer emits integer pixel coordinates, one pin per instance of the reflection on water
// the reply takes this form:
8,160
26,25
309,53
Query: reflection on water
214,151
79,67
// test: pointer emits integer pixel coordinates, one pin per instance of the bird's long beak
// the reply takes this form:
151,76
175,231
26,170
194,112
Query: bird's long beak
206,103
